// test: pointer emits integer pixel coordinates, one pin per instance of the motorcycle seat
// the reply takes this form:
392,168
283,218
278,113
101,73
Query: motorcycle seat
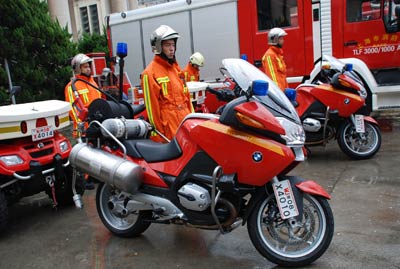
152,151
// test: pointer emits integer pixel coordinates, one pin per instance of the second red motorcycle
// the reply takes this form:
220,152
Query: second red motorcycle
333,107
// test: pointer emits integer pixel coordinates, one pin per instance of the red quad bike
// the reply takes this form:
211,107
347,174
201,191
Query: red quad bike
218,172
34,154
333,107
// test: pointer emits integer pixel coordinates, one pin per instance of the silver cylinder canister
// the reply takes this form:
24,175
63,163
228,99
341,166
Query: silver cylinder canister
125,128
113,170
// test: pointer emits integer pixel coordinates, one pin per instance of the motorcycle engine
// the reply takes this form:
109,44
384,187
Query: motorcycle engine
194,197
311,125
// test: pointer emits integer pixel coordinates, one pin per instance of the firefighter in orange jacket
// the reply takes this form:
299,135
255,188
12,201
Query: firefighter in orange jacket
79,92
192,69
273,63
166,96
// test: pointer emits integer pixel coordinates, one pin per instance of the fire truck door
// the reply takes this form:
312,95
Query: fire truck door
365,35
263,15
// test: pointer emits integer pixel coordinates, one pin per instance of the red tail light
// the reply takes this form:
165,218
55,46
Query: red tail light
57,121
24,127
41,122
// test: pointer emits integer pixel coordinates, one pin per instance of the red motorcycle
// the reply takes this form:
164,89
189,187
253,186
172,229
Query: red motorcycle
333,107
218,172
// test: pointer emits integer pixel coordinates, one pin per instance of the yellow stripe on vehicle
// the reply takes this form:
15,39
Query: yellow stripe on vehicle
64,119
10,129
243,136
348,94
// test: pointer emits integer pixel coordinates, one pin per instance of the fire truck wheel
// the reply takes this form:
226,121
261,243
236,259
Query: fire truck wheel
3,211
63,187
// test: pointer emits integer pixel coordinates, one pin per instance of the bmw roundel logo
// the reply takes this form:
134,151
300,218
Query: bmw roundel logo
257,156
346,101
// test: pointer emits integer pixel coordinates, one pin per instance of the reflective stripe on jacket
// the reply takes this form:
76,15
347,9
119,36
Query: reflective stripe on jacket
166,96
191,73
275,67
86,93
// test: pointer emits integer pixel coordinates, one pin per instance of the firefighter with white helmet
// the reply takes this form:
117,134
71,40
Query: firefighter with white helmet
166,96
192,69
273,62
80,91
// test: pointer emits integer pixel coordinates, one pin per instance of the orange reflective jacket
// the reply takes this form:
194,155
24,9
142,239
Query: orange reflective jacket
191,73
275,67
86,94
166,97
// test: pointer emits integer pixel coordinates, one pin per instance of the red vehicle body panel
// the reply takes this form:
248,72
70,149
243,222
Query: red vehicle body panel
240,146
345,102
313,188
32,151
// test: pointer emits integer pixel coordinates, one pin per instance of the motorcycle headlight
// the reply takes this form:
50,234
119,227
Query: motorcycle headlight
64,146
10,160
295,135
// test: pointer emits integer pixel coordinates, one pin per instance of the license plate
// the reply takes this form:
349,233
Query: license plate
285,199
360,128
42,133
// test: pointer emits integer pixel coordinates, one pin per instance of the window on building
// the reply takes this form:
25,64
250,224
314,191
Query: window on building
90,19
85,19
363,10
94,19
276,13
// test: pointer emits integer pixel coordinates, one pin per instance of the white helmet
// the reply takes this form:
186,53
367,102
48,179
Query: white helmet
197,59
163,32
78,60
274,34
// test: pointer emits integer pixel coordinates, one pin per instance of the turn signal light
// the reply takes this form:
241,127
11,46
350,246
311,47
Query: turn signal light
249,121
24,127
344,83
57,121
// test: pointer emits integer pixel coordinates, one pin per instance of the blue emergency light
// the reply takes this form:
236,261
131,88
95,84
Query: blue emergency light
122,50
348,67
291,94
260,87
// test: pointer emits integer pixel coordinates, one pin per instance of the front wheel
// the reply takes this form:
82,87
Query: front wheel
291,243
359,146
110,204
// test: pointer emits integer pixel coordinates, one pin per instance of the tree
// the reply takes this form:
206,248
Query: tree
37,49
94,43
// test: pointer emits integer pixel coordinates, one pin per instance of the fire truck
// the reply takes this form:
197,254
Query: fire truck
362,32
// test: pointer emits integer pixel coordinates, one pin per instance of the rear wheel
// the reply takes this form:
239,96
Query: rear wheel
3,211
359,146
110,205
291,243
